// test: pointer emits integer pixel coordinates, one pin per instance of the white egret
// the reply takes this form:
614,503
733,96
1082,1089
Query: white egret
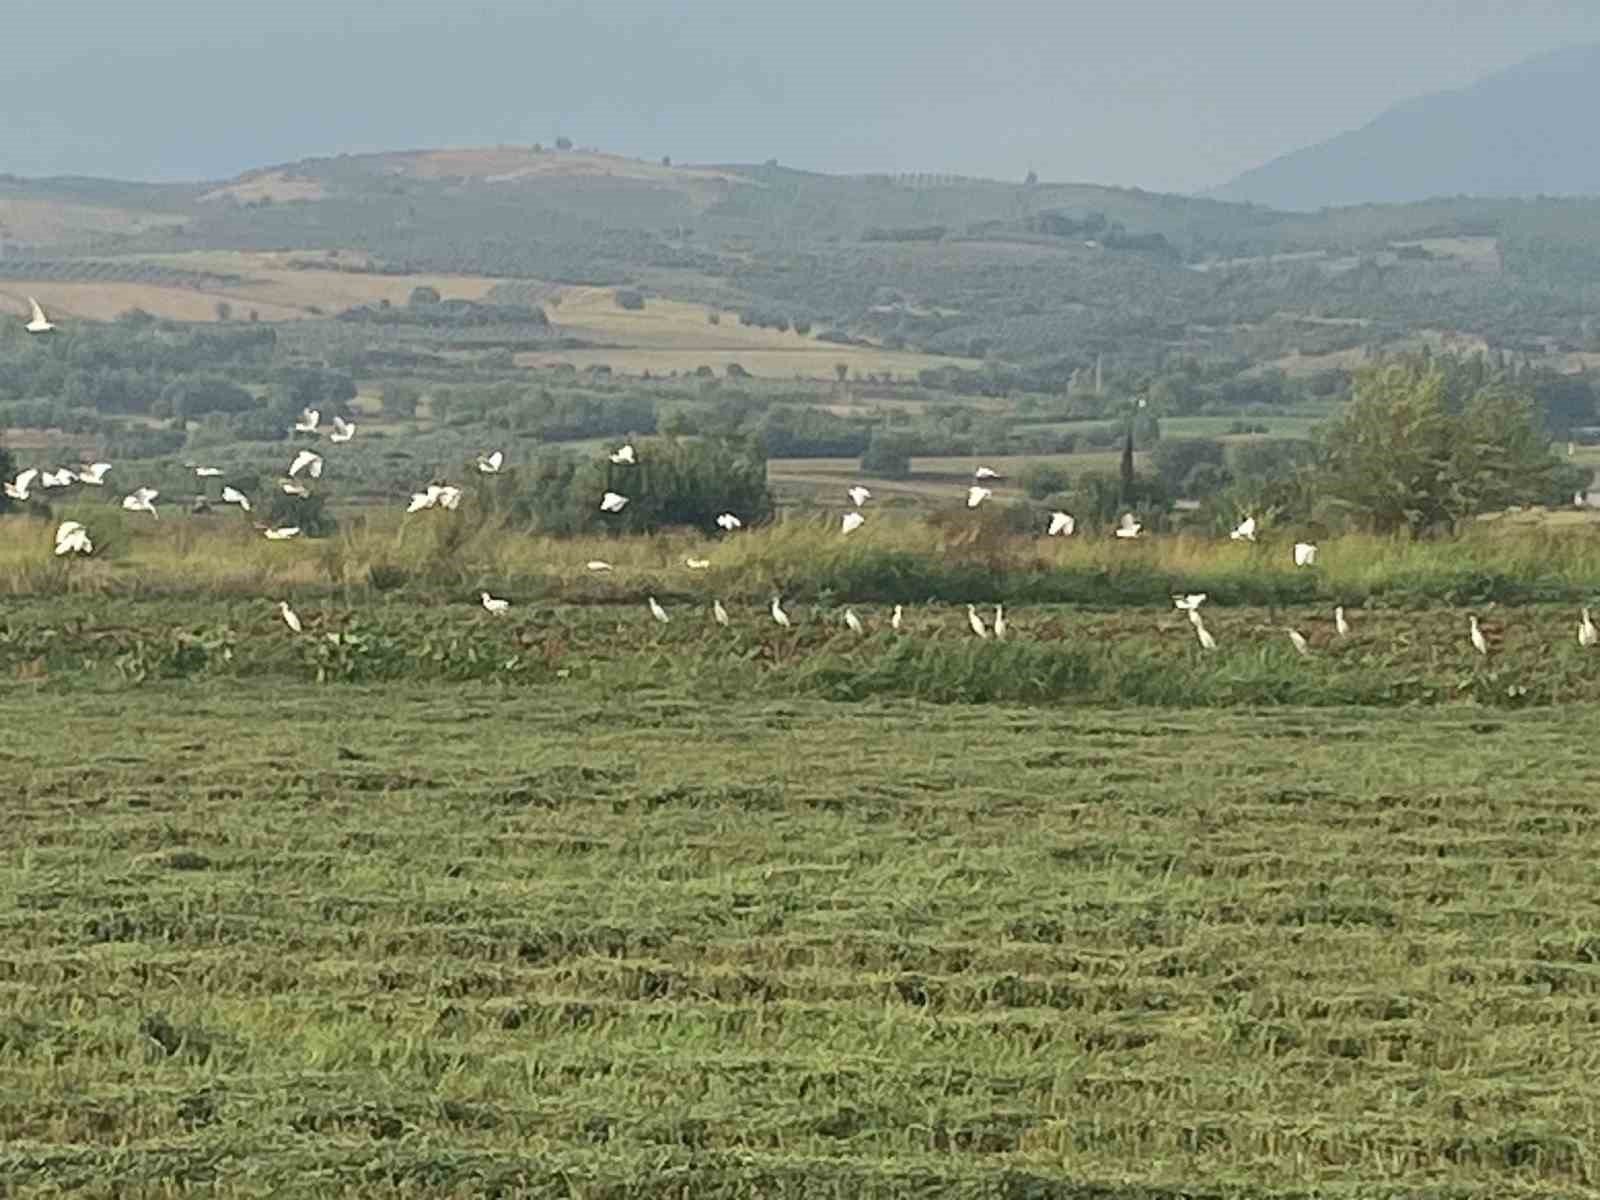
1127,527
611,502
778,615
657,611
17,488
449,498
343,430
282,533
207,472
859,495
1207,642
697,564
1245,531
1340,625
291,488
1479,642
719,614
999,623
37,322
490,464
57,478
1305,554
232,495
974,620
73,538
1302,647
290,617
977,495
1587,633
142,500
853,621
624,456
307,461
728,522
852,522
985,473
598,564
493,604
94,473
897,619
310,418
1061,525
1189,602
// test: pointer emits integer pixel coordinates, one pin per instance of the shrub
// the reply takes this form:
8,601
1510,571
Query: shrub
888,455
630,298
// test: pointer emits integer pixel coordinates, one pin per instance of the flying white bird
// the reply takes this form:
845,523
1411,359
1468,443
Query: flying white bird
999,623
657,611
490,465
977,495
858,495
853,621
852,522
1302,647
1479,642
17,489
898,619
310,418
57,478
290,488
1061,525
1340,625
624,456
343,430
306,461
207,472
37,323
232,495
1587,633
1190,602
778,615
437,496
598,564
282,533
494,605
94,473
1127,527
1305,554
729,522
142,500
290,617
1245,531
449,498
73,538
1207,642
719,614
974,620
612,502
697,564
985,473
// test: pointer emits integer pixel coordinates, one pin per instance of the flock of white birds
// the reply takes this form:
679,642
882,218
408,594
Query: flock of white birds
72,538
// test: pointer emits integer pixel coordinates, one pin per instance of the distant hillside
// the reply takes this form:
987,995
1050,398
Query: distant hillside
1526,131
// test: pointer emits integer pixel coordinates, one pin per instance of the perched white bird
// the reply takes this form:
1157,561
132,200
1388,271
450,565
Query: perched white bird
778,615
897,619
142,500
1305,554
985,473
343,430
977,495
94,473
232,495
598,564
290,617
974,620
1479,642
492,604
490,464
657,611
282,533
719,614
291,488
308,462
1587,633
1207,642
611,502
37,322
1127,527
999,622
1061,525
1340,625
73,538
853,621
1245,531
17,489
852,522
310,418
697,564
57,478
624,456
729,522
1302,647
858,495
207,472
1190,602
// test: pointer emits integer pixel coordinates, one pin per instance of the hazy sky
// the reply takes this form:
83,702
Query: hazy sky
1172,95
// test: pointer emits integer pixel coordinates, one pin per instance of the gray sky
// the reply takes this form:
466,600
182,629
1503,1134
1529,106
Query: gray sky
1170,95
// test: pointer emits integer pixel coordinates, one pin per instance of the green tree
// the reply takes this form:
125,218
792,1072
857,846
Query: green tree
1174,460
887,456
400,400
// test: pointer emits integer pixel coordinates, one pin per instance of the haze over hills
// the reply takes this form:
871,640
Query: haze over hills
1525,131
